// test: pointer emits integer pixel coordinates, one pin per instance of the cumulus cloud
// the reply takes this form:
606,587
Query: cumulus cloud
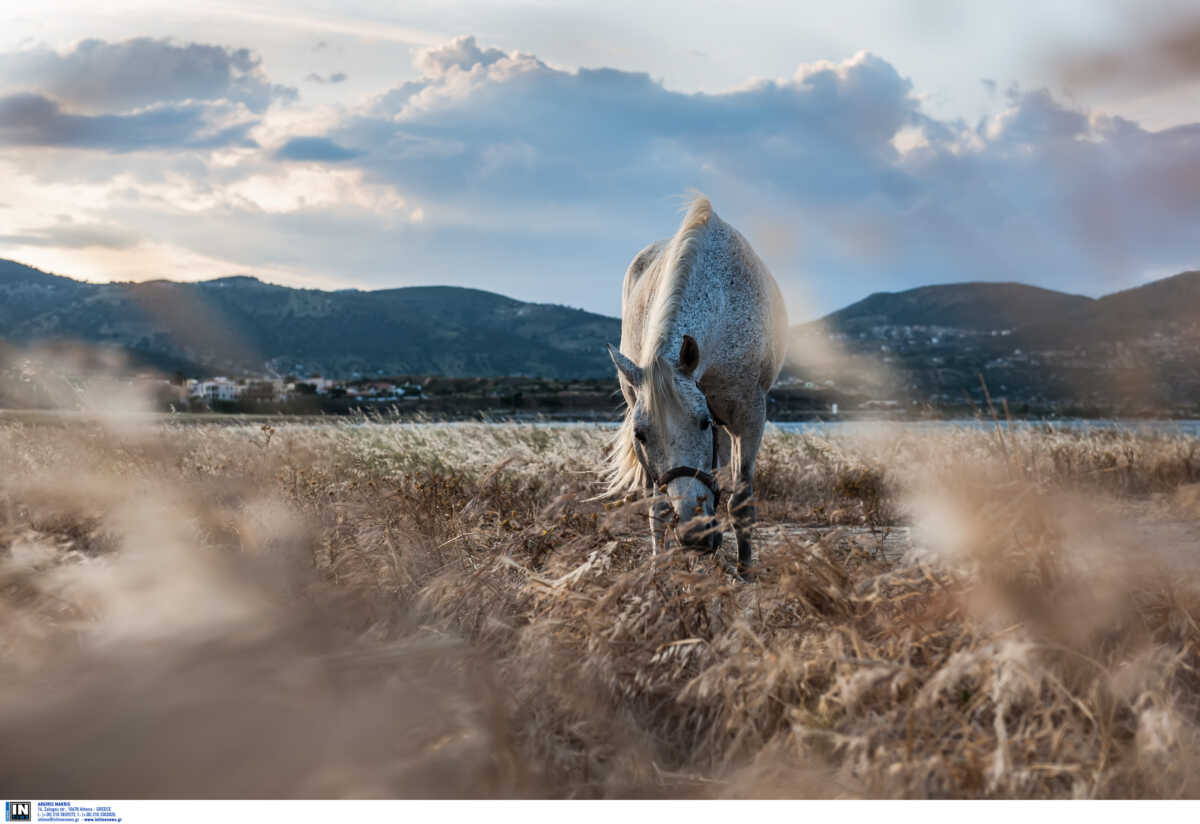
511,127
336,77
542,182
71,235
873,192
133,95
461,53
99,76
1036,118
317,149
34,120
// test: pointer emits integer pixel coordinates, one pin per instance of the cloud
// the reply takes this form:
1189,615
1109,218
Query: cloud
134,95
34,120
509,127
460,53
99,76
336,77
497,170
70,235
1039,191
318,149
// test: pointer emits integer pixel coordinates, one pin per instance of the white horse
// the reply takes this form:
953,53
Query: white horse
703,337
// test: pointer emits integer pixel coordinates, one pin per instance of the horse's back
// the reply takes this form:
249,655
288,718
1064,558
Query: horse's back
755,317
745,305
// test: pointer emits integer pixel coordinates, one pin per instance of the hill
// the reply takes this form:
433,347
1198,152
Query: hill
980,307
242,325
1170,306
1130,352
1038,349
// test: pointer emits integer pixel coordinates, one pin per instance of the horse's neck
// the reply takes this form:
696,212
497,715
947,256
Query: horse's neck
697,312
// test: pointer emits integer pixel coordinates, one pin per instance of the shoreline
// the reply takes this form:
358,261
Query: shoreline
1188,426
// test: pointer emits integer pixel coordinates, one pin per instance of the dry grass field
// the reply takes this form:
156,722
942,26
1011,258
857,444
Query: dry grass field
356,610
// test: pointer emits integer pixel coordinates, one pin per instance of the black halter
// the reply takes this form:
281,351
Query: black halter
700,475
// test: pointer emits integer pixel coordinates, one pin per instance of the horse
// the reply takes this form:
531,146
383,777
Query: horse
703,337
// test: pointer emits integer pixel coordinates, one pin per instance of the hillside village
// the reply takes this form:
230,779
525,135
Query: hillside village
1155,374
46,381
280,390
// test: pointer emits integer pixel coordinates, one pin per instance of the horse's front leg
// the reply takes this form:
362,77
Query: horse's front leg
741,502
661,515
743,512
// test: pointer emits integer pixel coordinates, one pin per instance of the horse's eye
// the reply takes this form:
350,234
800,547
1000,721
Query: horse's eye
640,434
705,423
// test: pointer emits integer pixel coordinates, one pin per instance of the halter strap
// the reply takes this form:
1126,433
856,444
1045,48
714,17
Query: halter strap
691,472
699,474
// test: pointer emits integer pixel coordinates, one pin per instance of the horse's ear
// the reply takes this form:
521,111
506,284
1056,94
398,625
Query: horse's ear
630,370
689,356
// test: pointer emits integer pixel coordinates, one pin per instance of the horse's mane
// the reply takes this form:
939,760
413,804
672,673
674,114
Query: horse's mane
679,258
624,473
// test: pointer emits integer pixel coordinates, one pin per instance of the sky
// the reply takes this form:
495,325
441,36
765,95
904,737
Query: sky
533,148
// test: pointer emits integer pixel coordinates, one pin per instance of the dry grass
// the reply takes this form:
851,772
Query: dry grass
372,610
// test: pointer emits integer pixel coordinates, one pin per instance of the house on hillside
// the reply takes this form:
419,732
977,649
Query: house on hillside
216,389
261,390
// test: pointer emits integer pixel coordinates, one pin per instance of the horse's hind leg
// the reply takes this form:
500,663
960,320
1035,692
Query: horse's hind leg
741,503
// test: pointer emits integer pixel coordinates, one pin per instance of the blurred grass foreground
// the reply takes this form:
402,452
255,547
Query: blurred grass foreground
364,610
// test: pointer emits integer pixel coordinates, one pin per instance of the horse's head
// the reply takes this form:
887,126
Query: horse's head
672,430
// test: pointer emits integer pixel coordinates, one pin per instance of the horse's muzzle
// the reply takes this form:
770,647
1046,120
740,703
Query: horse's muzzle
691,472
696,532
703,536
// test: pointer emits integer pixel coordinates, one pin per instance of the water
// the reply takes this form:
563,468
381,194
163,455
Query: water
1187,428
1178,428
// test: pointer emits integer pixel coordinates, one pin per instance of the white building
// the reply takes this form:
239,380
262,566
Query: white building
216,389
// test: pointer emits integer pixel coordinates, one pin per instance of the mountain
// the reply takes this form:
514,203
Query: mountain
979,307
25,292
1170,306
240,324
1127,352
1031,313
1036,348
